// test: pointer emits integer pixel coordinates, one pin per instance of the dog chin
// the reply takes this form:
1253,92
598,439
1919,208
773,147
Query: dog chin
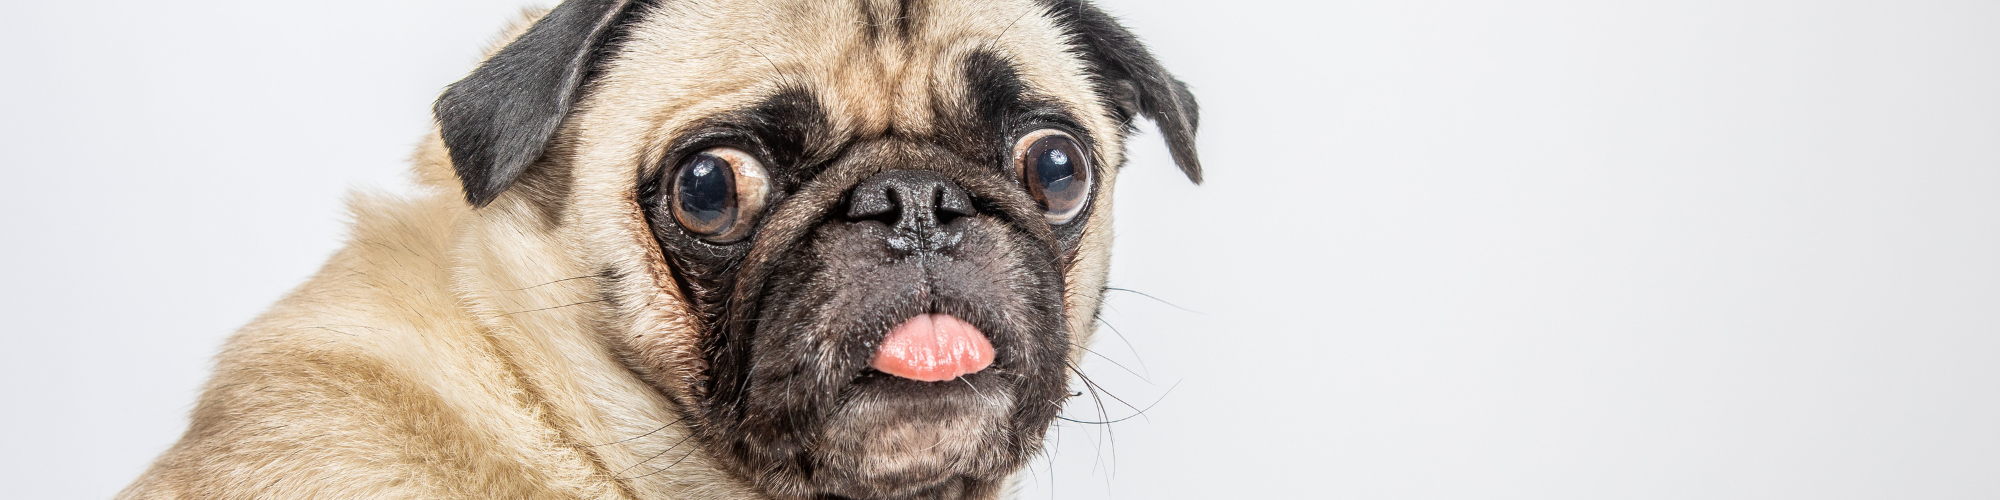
896,437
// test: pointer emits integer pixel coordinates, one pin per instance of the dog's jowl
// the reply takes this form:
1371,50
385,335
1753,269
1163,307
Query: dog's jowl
709,249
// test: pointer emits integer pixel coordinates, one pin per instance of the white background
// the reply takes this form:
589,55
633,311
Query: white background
1714,249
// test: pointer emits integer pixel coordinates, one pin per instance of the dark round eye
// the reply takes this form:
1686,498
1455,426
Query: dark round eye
717,192
1056,172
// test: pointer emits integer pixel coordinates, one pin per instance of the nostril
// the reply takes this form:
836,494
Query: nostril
952,203
873,204
909,200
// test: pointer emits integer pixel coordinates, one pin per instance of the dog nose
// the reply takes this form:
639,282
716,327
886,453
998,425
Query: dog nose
912,202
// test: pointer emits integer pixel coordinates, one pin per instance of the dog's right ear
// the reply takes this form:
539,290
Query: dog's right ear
499,119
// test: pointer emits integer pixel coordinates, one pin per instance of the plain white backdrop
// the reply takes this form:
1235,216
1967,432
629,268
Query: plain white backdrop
1545,249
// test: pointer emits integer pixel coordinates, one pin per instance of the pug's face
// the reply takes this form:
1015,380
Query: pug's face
858,243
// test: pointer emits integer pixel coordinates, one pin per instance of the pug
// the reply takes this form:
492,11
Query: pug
707,249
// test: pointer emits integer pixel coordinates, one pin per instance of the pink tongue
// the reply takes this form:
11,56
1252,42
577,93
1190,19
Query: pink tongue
933,348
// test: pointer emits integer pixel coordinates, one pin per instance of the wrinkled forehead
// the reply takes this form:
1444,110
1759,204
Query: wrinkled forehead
874,65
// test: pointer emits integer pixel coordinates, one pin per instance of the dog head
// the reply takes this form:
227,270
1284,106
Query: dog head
858,244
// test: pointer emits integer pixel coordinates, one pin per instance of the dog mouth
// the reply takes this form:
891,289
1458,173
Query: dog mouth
929,406
933,347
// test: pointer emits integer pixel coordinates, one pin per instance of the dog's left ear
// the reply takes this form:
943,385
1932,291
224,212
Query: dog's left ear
498,120
1133,82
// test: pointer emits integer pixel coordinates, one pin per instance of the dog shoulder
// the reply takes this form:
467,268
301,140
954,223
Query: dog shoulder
369,382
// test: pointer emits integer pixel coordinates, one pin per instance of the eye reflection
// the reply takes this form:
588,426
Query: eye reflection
1056,171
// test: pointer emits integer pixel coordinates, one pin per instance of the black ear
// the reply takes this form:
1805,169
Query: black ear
497,120
1133,82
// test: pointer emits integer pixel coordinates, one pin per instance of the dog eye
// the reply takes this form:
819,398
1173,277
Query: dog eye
718,192
1056,172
